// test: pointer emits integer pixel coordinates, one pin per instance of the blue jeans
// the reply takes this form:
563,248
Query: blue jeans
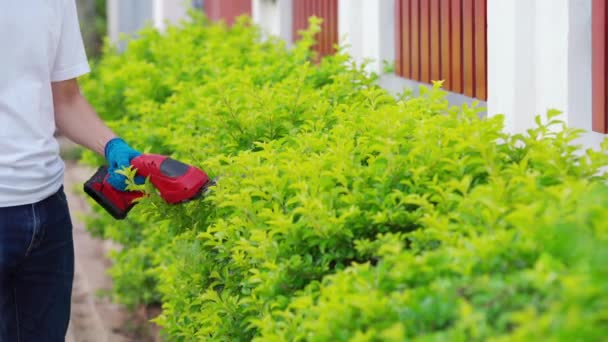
36,270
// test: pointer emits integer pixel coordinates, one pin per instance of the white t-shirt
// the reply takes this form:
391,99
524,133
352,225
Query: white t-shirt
40,43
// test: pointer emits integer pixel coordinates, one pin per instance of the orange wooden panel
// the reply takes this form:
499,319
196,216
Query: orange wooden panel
468,47
304,14
443,40
295,21
325,9
330,30
327,12
456,55
425,41
320,11
307,12
321,37
227,10
480,50
317,11
446,47
212,9
600,66
399,38
239,7
334,38
435,41
415,36
406,34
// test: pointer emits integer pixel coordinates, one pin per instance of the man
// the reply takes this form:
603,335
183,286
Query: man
41,55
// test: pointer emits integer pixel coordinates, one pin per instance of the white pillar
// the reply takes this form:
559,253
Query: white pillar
579,71
539,58
127,17
350,30
274,17
170,12
367,29
112,14
551,26
511,76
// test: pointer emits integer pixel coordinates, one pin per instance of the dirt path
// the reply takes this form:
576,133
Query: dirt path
94,318
89,324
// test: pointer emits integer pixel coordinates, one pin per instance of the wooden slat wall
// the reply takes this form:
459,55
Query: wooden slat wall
456,36
481,47
446,44
326,9
443,40
468,49
600,66
406,41
435,30
414,32
400,19
226,10
425,42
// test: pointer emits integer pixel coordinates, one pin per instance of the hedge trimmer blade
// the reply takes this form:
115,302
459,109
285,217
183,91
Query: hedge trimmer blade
202,192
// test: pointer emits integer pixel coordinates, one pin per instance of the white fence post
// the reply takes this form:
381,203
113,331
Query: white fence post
274,17
170,11
511,88
128,17
579,108
367,28
539,57
112,14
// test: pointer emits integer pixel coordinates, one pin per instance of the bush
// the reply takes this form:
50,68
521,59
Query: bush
342,213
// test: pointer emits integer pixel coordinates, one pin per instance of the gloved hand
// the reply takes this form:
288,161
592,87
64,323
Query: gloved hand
119,155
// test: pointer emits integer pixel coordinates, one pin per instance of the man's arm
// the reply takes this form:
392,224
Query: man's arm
76,119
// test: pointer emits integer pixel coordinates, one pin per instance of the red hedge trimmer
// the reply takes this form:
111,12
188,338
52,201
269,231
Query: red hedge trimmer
176,182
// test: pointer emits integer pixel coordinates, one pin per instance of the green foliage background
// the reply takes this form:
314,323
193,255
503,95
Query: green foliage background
93,25
341,212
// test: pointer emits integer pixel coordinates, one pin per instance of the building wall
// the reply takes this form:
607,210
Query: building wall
539,57
367,30
539,52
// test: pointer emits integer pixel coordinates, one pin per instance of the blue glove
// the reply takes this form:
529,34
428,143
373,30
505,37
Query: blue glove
119,155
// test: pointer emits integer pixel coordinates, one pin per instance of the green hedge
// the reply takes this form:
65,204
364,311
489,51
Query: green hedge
342,213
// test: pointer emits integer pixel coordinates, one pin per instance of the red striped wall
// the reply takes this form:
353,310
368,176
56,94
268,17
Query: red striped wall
326,9
443,40
600,66
226,10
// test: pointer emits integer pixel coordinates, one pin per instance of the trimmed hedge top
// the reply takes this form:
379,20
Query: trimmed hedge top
343,213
